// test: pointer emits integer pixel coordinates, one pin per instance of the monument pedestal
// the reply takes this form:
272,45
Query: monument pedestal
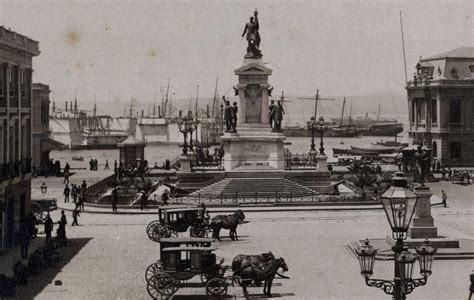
322,162
252,148
422,223
185,163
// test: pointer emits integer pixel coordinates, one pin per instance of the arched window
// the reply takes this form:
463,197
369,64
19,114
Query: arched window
434,150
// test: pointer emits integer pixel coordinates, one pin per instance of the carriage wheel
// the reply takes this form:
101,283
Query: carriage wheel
153,269
197,231
162,284
216,287
157,231
37,210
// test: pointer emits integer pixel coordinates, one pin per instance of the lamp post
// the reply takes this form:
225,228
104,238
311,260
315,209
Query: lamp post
44,188
184,131
312,128
321,127
399,204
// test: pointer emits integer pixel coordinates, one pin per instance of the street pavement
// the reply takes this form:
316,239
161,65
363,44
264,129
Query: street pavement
109,253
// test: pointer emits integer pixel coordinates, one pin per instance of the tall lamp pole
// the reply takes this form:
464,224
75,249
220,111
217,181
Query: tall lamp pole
399,204
312,128
321,127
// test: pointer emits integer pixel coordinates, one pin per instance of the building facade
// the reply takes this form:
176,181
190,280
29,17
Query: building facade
441,106
16,55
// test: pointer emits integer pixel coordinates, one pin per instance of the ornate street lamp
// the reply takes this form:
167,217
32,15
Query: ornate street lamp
321,127
184,131
312,128
44,188
399,204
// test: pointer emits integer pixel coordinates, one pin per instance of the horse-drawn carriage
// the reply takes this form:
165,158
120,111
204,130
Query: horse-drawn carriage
41,206
175,219
180,260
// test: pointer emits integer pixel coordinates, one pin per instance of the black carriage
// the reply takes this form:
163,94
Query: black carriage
177,264
172,220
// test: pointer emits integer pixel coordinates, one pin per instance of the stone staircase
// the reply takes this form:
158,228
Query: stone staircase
251,186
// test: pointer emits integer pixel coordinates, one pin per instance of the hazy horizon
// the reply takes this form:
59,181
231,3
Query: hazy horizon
118,50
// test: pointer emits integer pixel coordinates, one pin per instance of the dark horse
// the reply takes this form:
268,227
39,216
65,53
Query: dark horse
227,222
257,268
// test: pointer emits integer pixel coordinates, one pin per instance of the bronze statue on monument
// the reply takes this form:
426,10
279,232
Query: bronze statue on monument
253,37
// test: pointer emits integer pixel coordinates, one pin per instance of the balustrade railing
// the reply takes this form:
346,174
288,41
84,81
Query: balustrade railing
300,161
265,198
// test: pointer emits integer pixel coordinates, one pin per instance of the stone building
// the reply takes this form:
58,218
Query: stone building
441,106
42,143
16,55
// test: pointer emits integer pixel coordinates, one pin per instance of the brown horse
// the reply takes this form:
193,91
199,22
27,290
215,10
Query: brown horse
257,268
227,222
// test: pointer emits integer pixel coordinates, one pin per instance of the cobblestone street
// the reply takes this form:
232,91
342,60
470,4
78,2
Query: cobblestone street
110,253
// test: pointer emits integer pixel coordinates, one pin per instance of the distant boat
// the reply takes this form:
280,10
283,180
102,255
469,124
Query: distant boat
78,158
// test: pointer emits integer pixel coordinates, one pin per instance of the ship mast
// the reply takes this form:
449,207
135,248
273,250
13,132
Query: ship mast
214,101
165,108
342,112
197,99
378,113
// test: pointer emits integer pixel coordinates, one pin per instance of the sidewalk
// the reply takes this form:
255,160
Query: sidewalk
12,255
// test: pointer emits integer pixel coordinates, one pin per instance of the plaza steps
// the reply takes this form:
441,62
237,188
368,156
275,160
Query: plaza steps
253,186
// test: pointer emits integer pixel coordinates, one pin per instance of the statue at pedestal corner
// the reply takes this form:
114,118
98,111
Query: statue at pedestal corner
253,37
422,161
278,117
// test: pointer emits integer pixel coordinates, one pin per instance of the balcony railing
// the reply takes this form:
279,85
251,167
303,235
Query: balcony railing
15,169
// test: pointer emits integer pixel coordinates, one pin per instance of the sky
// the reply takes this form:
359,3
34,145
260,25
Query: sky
113,51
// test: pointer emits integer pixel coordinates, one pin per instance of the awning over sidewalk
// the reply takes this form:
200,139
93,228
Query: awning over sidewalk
50,144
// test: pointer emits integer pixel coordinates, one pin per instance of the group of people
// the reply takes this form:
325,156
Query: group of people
203,155
230,115
93,164
27,232
276,115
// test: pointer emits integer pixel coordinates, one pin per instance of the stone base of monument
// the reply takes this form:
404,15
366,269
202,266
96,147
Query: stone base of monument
437,242
253,147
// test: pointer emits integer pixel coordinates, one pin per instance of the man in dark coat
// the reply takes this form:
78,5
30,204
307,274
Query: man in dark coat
75,214
48,228
114,199
66,193
24,237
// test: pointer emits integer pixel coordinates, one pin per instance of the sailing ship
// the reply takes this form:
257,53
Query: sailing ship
343,130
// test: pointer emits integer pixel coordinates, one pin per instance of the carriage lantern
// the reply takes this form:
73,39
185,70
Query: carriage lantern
405,261
399,204
366,254
44,188
425,257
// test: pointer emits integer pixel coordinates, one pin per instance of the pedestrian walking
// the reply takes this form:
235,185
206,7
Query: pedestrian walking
48,228
24,237
445,198
74,192
142,200
75,215
114,199
106,165
83,186
66,177
31,221
66,194
165,197
61,232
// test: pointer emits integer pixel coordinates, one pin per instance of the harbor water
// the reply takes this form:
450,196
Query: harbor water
159,153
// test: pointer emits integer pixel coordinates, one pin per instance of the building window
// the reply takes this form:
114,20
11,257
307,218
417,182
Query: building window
471,67
413,110
420,111
434,111
455,111
23,82
455,150
2,79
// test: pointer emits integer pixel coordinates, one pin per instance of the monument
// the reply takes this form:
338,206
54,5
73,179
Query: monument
253,145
